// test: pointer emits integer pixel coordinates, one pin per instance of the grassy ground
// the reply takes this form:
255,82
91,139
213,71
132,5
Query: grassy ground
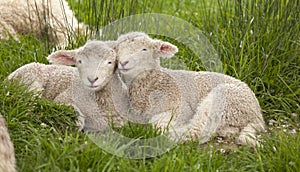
258,42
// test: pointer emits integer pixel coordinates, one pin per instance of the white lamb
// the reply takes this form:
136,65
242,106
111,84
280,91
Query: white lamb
199,103
7,153
52,17
71,85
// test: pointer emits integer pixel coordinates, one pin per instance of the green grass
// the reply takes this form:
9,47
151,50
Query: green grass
258,41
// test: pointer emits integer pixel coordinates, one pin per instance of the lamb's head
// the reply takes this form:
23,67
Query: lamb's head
96,62
137,52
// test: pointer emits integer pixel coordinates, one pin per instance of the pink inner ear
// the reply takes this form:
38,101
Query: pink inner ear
66,58
165,48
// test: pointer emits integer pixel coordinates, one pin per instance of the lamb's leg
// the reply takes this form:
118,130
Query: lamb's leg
80,118
242,114
64,97
212,114
162,120
207,119
248,134
166,121
36,86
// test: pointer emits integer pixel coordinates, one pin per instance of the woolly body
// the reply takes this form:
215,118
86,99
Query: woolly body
7,154
39,17
52,81
198,104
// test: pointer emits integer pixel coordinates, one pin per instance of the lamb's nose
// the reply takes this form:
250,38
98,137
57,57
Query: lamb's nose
92,81
124,63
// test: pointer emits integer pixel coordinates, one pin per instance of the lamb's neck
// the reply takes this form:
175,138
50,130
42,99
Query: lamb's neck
116,84
119,94
129,78
114,94
106,91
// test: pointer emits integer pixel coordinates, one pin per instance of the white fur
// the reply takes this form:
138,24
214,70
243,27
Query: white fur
7,153
70,85
38,17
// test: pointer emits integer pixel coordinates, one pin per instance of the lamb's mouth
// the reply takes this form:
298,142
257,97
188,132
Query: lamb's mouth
94,86
124,70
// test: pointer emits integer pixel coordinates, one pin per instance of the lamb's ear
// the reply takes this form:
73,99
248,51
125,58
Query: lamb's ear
164,49
63,57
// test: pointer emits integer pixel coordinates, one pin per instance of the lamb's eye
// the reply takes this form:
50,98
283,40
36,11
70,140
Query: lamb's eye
144,49
109,62
79,61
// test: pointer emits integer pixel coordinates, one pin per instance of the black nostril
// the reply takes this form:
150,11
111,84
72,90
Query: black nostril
124,63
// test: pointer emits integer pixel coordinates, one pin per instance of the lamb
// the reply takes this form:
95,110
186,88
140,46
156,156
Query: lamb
104,96
53,17
7,154
62,84
193,105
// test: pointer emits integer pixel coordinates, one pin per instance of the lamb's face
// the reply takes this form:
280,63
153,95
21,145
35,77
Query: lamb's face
135,56
96,64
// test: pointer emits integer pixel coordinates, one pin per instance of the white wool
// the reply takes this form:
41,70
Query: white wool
202,104
39,17
7,153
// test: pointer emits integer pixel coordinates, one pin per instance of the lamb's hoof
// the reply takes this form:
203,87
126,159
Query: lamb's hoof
249,140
